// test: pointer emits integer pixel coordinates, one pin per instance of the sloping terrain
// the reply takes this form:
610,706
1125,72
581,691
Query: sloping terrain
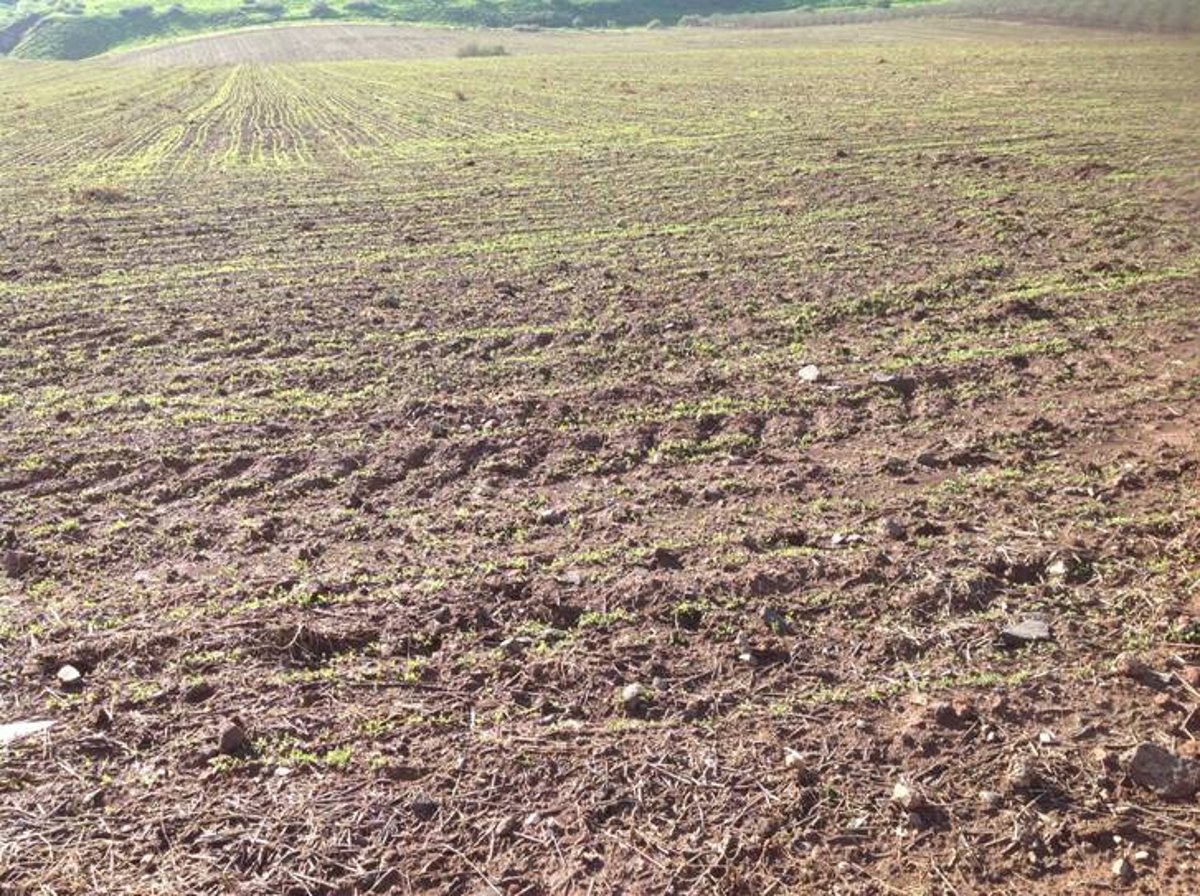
687,470
327,42
73,29
335,42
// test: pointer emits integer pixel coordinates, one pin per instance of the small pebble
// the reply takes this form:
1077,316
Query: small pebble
1027,631
793,759
1122,869
1057,569
631,695
70,678
907,797
809,373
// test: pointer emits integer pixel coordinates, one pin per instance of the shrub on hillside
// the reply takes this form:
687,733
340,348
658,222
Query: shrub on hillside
322,10
472,50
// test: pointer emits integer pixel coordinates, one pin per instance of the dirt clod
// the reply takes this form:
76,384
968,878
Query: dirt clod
775,621
1022,774
1128,665
16,563
198,692
1160,770
233,740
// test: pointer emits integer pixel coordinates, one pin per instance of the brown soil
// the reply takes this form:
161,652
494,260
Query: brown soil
472,500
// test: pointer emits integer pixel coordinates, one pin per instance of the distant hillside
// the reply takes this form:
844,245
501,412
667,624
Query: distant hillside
1139,15
75,29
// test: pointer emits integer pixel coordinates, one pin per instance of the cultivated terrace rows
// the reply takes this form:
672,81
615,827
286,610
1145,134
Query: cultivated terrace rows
669,470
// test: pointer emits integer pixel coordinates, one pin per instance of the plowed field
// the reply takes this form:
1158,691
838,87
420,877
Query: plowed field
607,471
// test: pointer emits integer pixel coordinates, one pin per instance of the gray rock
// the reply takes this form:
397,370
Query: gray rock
809,373
1027,631
1160,770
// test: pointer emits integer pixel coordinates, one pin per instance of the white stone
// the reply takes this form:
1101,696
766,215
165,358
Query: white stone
12,731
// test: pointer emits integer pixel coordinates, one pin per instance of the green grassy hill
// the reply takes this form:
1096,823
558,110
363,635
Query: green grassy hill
74,29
